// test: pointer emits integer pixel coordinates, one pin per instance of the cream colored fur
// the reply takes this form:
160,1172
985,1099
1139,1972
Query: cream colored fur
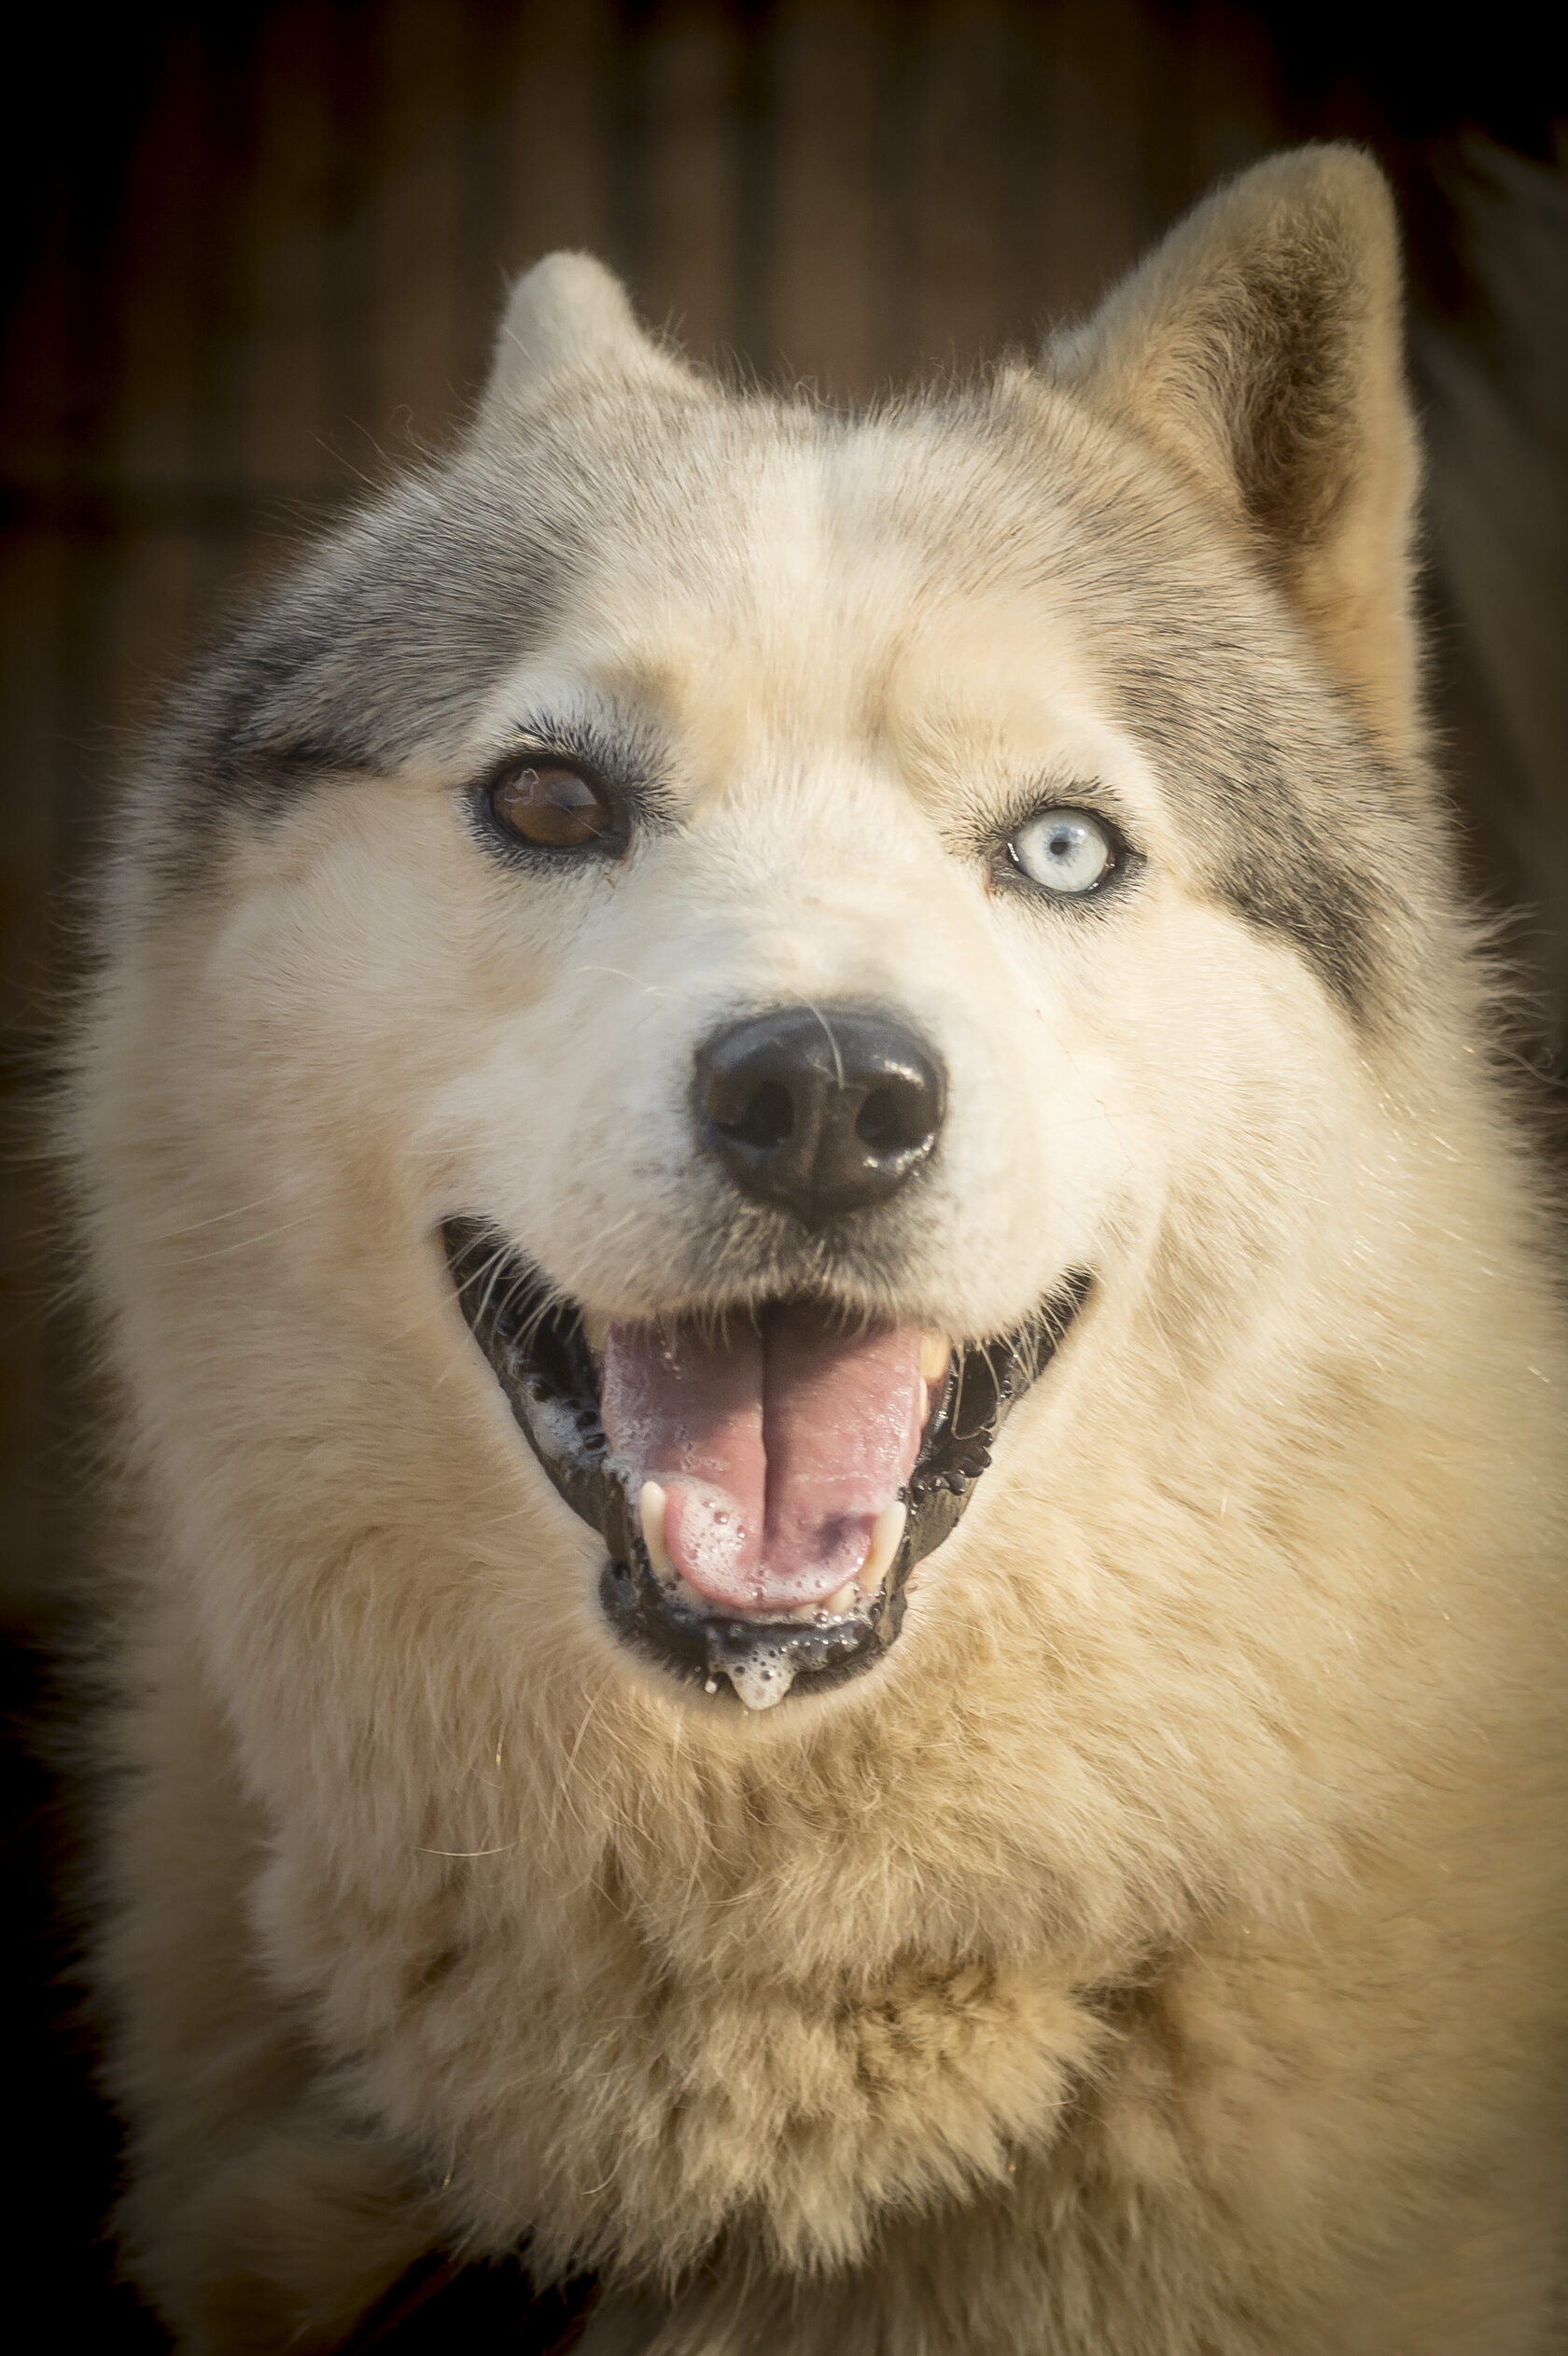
1161,1953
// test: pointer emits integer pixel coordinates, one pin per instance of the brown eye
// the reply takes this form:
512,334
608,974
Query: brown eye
551,807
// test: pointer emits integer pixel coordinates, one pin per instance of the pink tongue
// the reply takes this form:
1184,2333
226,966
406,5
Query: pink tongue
777,1449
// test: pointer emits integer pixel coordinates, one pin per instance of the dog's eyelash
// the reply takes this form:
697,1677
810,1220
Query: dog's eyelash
630,758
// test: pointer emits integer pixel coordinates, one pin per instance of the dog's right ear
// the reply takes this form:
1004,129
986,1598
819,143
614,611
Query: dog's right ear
569,316
1260,347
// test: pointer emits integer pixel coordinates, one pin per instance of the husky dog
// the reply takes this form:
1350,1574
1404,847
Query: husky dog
840,1380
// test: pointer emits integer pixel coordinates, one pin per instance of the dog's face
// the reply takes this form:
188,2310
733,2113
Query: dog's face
794,926
808,978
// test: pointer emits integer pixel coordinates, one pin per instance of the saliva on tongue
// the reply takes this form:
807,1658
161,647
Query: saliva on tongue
779,1444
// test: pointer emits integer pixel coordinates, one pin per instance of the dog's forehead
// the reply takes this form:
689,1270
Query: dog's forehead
855,582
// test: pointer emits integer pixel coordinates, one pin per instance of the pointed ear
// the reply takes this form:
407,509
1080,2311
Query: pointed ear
567,315
1261,347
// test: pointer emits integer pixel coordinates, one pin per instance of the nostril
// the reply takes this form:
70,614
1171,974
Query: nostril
893,1119
765,1120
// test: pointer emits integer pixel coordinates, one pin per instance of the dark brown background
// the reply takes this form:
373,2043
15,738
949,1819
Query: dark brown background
253,257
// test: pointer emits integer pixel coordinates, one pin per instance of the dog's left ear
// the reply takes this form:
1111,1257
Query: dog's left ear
1261,346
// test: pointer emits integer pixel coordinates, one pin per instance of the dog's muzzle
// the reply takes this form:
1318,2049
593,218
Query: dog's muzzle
765,1488
537,1349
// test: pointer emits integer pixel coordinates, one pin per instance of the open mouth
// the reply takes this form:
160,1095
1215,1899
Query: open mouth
763,1484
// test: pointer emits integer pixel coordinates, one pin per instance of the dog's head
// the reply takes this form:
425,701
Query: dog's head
792,924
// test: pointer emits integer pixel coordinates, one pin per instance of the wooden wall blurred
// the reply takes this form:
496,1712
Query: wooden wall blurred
254,256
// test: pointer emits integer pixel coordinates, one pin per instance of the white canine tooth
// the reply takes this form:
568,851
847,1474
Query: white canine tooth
925,1403
652,1504
843,1603
885,1535
935,1351
597,1328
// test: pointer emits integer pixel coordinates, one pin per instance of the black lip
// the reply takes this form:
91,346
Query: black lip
537,1350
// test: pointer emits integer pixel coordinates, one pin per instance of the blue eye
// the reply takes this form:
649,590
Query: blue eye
1064,850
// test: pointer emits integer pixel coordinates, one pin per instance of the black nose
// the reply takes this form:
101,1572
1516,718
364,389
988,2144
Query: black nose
818,1113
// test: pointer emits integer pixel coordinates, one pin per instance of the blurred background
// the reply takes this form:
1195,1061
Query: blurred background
251,259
